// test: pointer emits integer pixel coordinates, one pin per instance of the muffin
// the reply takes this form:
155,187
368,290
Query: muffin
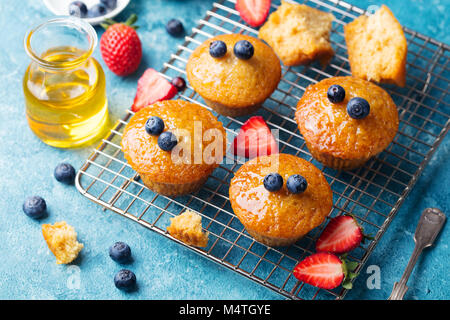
361,121
377,48
279,217
181,164
234,84
61,239
299,34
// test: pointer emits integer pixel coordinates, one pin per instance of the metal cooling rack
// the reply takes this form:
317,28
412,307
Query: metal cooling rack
372,193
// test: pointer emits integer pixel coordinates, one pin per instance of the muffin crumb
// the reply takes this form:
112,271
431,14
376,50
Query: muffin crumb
187,227
299,34
61,239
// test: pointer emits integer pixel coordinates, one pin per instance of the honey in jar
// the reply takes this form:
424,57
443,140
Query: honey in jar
64,86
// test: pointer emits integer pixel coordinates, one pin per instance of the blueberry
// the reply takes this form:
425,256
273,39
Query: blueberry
167,141
296,184
174,27
243,50
273,182
78,9
179,83
358,108
217,49
97,11
34,207
154,126
336,93
65,173
125,280
110,4
120,252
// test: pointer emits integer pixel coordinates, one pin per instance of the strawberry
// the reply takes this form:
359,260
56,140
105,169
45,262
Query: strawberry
342,234
254,12
120,46
254,139
325,270
152,87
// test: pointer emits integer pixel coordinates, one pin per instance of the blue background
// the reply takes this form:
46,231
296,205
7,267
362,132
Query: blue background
166,270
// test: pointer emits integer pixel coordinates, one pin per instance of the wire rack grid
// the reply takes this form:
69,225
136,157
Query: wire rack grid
373,193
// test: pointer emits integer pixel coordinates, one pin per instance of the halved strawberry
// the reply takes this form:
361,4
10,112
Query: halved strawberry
152,87
254,139
254,12
325,270
342,234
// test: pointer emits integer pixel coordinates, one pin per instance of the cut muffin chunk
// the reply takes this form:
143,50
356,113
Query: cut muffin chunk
299,34
61,239
377,48
187,227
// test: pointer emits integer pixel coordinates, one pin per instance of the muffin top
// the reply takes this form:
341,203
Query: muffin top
232,81
279,214
328,127
199,149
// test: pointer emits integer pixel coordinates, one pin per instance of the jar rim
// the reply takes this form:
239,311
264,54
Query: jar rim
67,21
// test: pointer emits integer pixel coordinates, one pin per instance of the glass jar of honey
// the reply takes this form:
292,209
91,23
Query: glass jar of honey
64,86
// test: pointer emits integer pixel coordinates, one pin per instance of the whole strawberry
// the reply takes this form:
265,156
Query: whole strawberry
120,46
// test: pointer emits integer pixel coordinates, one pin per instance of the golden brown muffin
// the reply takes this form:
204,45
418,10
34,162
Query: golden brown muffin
187,227
299,34
279,218
232,86
185,168
377,48
62,241
332,136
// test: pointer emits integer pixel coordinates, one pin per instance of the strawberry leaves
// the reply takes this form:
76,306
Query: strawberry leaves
348,268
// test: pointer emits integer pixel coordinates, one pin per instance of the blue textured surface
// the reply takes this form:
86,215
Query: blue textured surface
166,270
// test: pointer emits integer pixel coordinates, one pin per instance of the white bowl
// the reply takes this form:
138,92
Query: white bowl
61,8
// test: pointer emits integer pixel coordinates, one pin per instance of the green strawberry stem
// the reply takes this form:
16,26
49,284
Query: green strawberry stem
348,267
129,22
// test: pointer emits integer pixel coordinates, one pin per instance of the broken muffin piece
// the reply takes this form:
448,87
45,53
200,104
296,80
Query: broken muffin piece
299,34
187,227
377,48
61,239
